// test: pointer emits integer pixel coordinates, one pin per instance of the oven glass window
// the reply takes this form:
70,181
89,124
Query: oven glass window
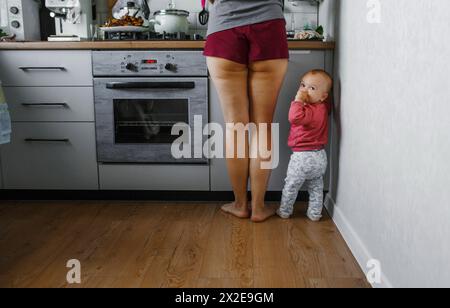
148,120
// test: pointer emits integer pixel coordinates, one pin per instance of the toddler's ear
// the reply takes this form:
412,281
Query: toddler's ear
325,97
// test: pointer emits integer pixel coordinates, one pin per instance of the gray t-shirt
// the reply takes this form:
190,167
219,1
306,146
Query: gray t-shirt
227,14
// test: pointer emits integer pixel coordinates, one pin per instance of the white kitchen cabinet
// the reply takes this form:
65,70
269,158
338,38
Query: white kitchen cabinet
50,156
50,97
300,62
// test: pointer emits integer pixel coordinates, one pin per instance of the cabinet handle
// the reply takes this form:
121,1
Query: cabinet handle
300,52
63,105
65,140
42,68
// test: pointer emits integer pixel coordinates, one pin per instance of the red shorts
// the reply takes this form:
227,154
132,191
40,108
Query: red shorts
245,44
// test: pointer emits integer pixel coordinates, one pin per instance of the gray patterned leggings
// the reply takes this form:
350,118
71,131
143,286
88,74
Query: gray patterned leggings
308,167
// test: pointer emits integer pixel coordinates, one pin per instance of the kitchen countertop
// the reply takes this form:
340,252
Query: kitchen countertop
87,45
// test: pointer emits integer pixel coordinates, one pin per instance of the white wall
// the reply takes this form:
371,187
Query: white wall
392,199
327,18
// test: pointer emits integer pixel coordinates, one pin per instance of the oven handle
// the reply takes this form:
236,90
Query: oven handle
151,85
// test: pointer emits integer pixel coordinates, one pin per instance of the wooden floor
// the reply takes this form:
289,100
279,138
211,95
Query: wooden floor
155,244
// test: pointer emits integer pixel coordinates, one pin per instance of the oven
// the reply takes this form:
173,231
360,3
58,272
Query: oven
140,96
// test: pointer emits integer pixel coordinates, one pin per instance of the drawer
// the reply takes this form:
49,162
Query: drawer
44,104
154,177
50,156
46,68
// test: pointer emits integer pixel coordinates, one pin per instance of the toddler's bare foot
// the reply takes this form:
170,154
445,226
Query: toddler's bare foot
261,214
240,211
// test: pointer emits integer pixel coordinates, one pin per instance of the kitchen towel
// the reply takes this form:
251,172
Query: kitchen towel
5,119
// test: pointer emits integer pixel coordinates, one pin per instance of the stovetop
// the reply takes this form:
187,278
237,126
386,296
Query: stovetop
152,36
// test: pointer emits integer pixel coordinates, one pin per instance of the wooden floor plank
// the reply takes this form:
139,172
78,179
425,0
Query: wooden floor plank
229,253
184,268
272,259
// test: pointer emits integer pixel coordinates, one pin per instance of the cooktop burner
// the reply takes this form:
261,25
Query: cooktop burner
151,36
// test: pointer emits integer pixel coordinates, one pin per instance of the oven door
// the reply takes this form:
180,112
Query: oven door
135,117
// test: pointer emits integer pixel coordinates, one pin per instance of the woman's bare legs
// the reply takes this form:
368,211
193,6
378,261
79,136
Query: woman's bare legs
265,81
236,83
231,81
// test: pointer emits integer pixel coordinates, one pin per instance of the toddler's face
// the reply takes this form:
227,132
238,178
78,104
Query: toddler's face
313,89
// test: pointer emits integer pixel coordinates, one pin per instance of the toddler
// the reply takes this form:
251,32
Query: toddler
308,137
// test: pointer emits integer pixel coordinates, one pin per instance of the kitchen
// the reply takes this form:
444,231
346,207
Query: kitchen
92,96
91,65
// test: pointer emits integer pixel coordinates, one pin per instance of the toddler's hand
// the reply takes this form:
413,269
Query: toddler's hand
302,97
298,97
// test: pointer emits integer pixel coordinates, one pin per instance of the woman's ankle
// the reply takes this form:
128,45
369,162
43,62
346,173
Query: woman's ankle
241,203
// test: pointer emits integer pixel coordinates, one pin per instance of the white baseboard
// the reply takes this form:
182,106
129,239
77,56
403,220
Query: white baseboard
354,242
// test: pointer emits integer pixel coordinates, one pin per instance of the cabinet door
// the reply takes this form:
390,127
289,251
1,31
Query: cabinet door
50,156
300,62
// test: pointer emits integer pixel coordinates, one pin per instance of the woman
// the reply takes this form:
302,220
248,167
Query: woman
247,56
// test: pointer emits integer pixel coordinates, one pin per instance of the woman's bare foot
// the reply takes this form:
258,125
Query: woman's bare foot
240,211
261,214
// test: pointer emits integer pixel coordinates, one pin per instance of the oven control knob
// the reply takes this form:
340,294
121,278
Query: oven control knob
14,10
132,67
171,67
15,24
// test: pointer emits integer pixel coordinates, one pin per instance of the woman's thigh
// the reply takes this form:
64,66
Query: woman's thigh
231,81
265,82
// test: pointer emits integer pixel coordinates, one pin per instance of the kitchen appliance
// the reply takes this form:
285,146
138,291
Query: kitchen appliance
171,20
140,96
20,18
73,19
120,35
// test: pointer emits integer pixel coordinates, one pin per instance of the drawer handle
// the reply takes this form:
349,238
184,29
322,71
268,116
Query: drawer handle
42,68
65,140
62,105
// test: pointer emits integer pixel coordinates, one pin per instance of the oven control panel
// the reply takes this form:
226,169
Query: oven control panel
149,63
